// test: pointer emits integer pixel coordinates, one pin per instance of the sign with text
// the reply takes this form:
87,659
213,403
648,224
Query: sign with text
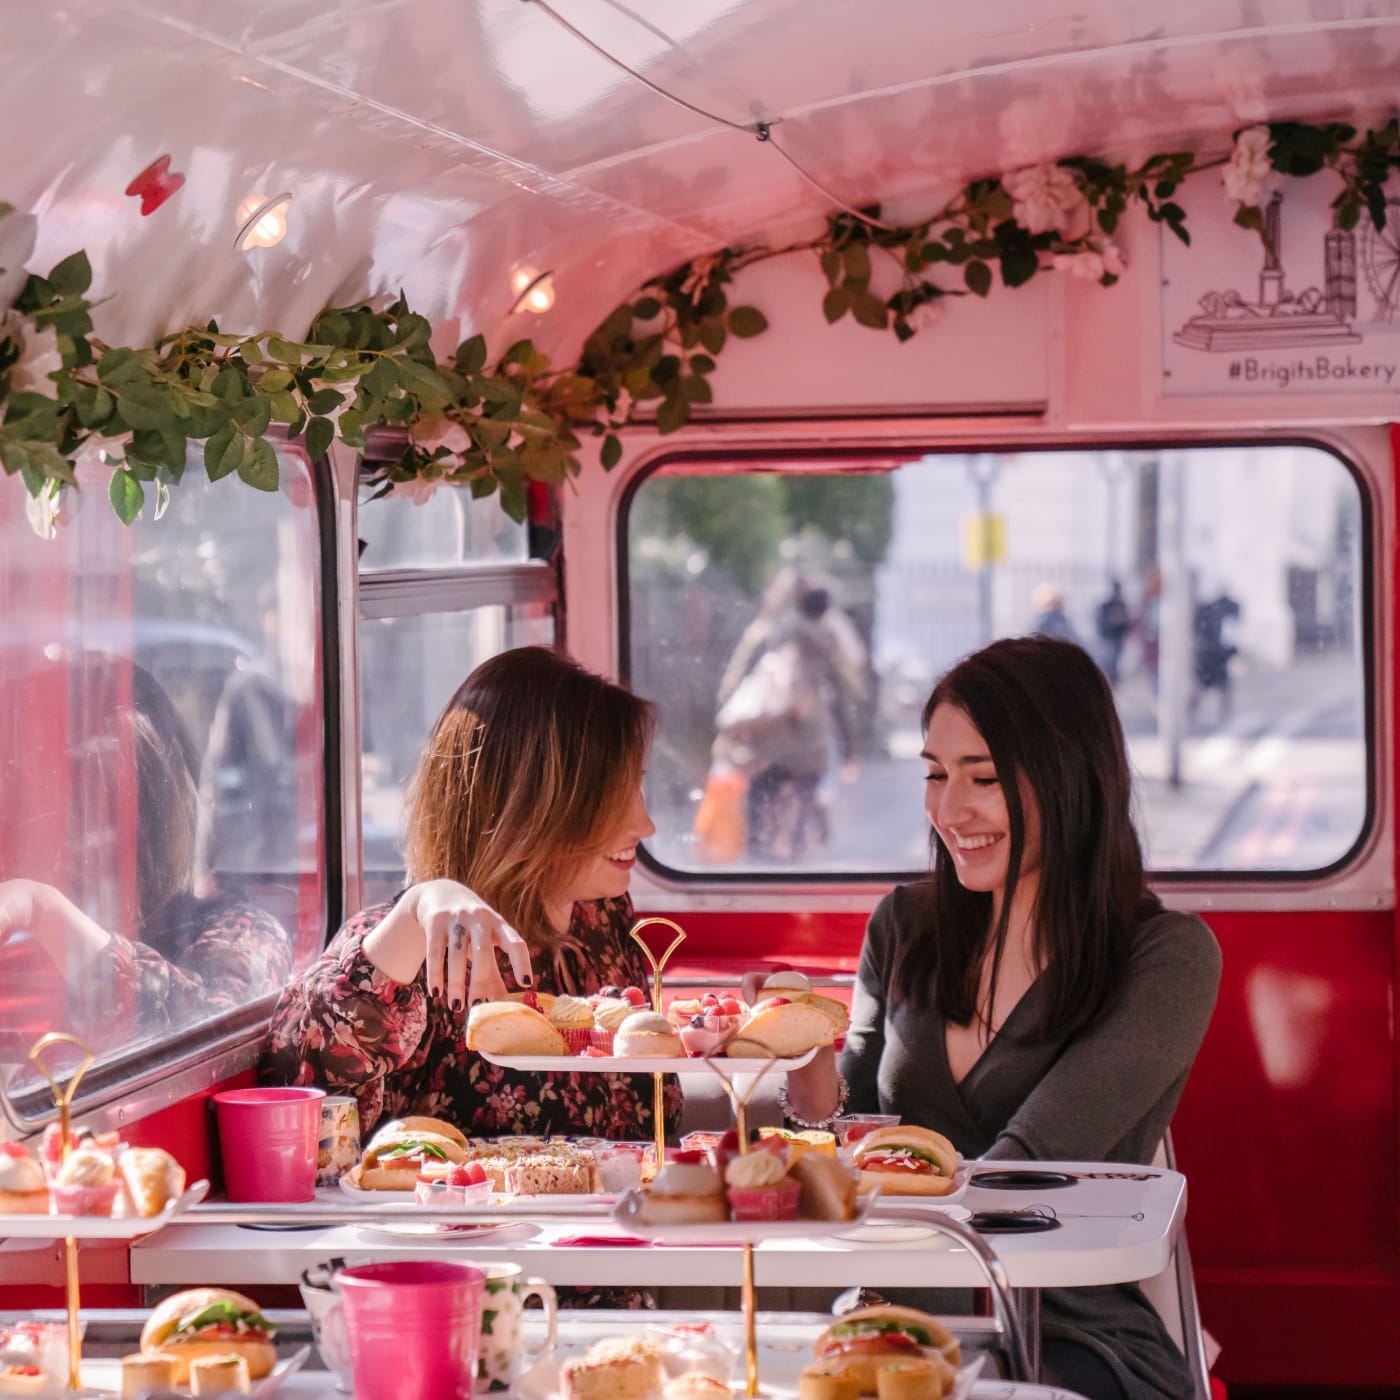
1316,312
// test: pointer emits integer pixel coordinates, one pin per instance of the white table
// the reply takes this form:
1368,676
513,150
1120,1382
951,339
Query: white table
1112,1231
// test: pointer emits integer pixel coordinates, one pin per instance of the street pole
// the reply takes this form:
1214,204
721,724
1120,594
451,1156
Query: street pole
1175,662
984,468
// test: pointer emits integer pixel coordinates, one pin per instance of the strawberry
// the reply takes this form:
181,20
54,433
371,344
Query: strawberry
13,1149
594,1052
779,1001
685,1155
635,995
730,1007
531,999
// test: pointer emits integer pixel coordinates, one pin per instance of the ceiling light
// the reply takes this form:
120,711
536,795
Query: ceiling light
534,291
262,223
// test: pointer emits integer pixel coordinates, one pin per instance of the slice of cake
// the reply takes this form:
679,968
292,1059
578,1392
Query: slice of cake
622,1368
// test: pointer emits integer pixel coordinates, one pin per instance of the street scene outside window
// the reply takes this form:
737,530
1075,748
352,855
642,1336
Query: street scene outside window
161,742
790,625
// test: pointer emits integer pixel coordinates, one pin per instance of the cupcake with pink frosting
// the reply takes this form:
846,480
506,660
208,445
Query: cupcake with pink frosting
759,1188
86,1184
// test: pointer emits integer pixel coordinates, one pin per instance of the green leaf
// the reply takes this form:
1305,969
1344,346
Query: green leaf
514,501
869,310
215,451
126,495
978,277
259,466
320,433
646,308
250,352
713,336
254,414
285,407
831,265
746,322
835,304
857,260
425,384
611,453
324,400
283,350
697,390
471,355
145,406
673,414
273,381
119,366
701,364
73,276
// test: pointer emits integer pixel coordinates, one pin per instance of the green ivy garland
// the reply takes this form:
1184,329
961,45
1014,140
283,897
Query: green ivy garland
496,426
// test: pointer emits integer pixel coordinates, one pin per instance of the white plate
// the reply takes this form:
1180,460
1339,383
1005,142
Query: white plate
97,1227
288,1366
402,1201
894,1232
629,1210
423,1232
640,1064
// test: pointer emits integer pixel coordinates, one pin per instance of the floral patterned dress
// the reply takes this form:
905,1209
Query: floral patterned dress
345,1026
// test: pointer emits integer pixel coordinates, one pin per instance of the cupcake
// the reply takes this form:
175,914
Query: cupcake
723,1015
572,1017
683,1009
608,1014
86,1184
759,1188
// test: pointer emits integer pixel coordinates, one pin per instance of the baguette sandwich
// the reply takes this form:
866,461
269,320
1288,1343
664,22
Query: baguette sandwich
392,1161
864,1340
906,1161
203,1322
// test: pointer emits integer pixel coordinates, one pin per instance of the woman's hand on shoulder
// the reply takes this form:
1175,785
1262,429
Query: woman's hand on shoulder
65,933
452,933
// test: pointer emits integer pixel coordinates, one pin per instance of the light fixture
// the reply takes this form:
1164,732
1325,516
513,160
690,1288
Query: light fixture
262,223
534,291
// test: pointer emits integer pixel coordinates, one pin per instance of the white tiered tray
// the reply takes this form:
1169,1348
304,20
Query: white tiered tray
98,1227
642,1064
628,1214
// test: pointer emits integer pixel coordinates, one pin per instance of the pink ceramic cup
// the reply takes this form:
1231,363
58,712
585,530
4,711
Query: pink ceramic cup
267,1138
413,1327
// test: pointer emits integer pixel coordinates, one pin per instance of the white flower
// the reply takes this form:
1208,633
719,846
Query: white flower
420,490
1103,258
37,360
1048,198
623,411
1249,177
17,234
926,315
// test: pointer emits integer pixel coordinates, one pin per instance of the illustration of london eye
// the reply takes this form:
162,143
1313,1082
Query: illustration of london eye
1380,261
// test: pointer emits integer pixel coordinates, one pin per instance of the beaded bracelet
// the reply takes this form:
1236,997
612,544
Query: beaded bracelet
843,1092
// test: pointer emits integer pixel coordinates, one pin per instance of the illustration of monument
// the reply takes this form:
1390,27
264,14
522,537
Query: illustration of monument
1278,319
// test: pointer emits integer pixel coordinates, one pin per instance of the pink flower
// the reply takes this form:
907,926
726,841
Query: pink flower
1047,198
420,490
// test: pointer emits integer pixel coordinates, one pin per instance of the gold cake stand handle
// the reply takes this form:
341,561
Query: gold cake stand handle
658,967
63,1097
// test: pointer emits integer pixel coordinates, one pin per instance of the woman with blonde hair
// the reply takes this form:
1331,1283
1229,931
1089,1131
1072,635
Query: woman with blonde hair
527,801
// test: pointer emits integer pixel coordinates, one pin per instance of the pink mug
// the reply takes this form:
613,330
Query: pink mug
412,1327
267,1138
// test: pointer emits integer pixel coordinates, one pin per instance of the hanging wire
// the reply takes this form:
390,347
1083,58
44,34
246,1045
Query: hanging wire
762,130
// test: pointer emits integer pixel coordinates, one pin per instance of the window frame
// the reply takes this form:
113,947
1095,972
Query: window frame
1361,878
126,1087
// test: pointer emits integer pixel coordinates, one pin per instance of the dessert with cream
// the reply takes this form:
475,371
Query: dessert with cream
759,1188
572,1017
608,1014
647,1035
86,1184
22,1187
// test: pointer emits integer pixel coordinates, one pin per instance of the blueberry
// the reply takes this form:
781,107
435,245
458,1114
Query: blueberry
610,991
697,1023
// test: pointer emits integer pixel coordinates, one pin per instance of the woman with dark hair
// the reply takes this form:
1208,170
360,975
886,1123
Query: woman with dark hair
527,801
171,957
1032,999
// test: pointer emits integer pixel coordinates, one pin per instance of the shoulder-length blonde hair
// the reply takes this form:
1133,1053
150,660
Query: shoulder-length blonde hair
525,774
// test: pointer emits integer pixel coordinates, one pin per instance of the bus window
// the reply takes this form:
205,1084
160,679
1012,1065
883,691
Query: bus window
161,744
790,623
443,586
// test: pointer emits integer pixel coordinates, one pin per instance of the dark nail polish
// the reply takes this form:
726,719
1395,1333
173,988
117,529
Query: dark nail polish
476,1001
457,1004
528,980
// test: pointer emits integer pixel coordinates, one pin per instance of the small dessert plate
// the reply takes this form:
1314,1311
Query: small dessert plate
631,1208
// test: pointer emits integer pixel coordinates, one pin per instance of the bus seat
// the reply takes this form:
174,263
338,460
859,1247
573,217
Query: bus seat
1173,1294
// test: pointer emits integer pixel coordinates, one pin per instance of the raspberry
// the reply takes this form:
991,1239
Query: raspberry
779,1001
458,1175
685,1155
730,1007
708,999
476,1173
635,995
531,999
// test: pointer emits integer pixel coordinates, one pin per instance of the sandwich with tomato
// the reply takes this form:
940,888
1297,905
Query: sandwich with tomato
394,1158
865,1340
906,1161
204,1322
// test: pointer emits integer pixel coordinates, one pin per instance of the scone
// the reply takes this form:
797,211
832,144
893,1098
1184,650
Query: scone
645,1034
512,1028
684,1193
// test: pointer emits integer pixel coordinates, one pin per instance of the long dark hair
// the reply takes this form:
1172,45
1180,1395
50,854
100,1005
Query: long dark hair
1047,716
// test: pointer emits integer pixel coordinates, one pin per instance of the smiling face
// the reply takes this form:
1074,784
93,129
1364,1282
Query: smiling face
606,872
967,806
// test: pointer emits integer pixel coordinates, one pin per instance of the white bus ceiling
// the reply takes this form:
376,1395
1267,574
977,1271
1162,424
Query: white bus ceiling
445,147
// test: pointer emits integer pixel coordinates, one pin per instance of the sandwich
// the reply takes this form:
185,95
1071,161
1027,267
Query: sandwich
392,1161
865,1340
906,1160
783,1028
795,987
204,1322
828,1187
151,1179
420,1123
